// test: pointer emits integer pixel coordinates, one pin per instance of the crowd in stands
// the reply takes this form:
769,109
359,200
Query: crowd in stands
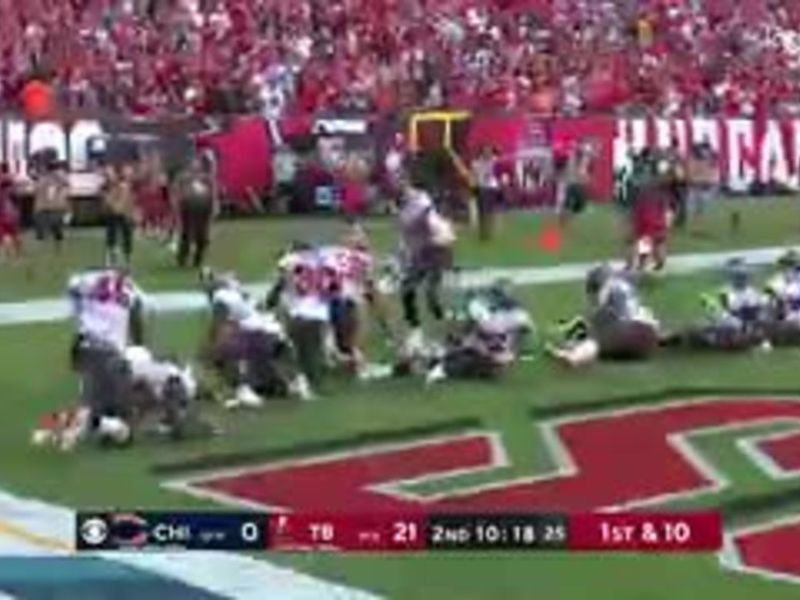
155,57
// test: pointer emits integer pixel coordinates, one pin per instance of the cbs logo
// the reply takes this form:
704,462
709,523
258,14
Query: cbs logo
94,531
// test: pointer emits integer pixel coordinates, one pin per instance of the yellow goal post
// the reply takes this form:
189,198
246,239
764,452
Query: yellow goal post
447,118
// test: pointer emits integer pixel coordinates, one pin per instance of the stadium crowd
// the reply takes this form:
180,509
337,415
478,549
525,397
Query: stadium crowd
152,57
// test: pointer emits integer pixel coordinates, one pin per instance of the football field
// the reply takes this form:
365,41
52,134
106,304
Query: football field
682,431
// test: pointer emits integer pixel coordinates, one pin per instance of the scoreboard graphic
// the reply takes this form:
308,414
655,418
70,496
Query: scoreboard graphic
251,531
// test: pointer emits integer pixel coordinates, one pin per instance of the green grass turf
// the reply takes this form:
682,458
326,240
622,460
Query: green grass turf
250,246
34,378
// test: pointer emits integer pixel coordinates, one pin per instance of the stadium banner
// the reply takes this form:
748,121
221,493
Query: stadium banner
77,139
753,152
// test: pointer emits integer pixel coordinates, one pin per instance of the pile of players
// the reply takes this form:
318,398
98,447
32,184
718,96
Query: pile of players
740,316
313,319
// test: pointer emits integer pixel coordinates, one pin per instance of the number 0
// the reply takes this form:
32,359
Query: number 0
250,532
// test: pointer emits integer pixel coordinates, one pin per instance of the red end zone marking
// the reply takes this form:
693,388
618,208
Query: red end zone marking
608,460
618,459
772,552
340,484
784,451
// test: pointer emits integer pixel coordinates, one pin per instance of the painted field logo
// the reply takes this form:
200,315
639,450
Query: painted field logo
623,459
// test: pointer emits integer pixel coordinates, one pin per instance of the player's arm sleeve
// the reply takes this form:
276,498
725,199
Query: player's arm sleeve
137,318
74,296
276,291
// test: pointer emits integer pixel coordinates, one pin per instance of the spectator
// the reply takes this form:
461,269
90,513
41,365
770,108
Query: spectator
308,55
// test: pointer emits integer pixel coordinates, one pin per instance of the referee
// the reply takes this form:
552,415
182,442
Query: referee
487,190
194,194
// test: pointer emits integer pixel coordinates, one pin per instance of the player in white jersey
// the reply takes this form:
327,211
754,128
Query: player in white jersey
304,286
783,293
355,292
249,347
737,316
164,394
107,306
617,327
426,252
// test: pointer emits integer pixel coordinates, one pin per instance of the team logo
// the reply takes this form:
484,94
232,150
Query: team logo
626,459
129,530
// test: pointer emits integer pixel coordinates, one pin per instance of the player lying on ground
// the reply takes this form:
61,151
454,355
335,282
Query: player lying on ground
155,395
783,293
617,325
249,348
485,336
488,334
164,396
737,316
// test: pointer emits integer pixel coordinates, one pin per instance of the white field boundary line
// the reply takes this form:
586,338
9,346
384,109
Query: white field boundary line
31,528
47,310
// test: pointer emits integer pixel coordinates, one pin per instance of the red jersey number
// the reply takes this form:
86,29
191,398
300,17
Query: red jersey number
110,289
315,281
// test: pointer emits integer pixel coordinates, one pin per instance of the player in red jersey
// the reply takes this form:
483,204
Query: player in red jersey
650,204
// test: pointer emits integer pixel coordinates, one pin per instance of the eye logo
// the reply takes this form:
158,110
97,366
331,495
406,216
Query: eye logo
94,531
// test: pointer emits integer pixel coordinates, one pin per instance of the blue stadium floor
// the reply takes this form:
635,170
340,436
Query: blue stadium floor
79,578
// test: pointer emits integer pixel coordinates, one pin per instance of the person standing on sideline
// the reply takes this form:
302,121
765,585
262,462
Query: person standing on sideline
572,183
488,191
120,207
152,191
678,184
703,176
10,239
194,193
51,204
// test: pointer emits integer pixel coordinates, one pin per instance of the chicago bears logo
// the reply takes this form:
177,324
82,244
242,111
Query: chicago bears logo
628,459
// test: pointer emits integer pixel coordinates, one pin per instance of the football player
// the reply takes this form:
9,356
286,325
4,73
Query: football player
108,309
490,331
617,327
736,319
359,290
426,252
165,391
783,293
249,347
304,287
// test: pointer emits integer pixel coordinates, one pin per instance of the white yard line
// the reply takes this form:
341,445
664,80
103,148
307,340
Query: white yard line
56,309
